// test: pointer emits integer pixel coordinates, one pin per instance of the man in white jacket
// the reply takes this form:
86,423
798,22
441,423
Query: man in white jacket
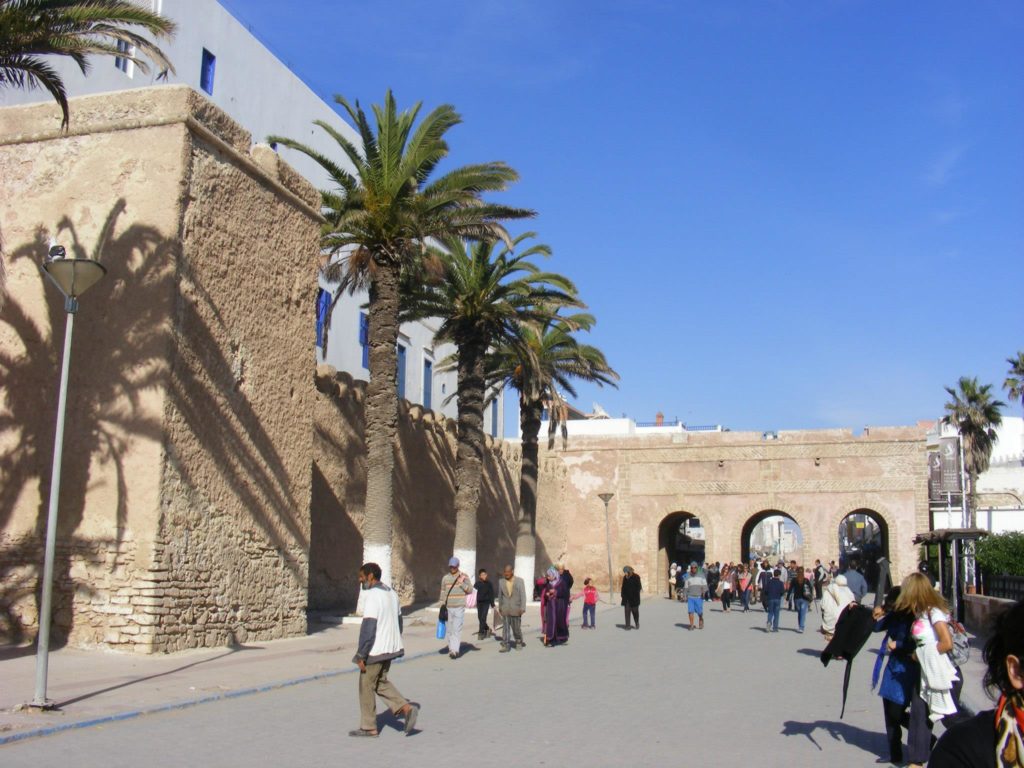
380,641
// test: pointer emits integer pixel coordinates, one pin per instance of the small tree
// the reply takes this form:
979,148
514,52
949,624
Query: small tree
1002,554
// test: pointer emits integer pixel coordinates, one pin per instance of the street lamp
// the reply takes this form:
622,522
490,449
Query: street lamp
606,497
73,277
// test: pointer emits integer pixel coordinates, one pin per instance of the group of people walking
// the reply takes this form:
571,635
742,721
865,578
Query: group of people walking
916,673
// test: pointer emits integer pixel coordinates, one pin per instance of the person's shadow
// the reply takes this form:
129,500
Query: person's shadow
869,741
388,719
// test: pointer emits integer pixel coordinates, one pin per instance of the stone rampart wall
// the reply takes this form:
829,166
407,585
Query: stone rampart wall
186,484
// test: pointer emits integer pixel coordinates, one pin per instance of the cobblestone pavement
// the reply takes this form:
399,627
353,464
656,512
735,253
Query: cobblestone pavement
730,693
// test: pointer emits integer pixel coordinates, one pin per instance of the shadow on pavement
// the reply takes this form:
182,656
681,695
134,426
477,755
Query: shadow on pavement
810,652
135,681
869,741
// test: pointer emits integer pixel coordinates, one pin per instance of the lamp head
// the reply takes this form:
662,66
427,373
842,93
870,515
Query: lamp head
73,277
605,497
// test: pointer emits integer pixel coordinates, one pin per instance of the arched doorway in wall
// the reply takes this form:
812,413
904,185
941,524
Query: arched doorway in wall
863,538
771,534
681,541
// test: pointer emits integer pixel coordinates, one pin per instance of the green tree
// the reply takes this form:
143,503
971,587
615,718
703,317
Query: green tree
975,414
542,365
482,298
76,29
1002,554
1014,383
380,218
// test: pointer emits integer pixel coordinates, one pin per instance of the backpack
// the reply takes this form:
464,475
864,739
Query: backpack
961,644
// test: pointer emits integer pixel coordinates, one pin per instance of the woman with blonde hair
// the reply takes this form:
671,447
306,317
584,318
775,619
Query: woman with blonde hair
933,641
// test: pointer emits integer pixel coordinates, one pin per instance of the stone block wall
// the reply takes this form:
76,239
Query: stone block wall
184,503
424,523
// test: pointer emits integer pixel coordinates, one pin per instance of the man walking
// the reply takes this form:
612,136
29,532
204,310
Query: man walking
380,641
511,606
855,580
696,587
773,595
454,588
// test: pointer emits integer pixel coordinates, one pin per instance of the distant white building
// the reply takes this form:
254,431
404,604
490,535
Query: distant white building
1000,489
218,55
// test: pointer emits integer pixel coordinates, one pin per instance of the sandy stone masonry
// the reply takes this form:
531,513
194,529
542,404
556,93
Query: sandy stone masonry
186,482
729,481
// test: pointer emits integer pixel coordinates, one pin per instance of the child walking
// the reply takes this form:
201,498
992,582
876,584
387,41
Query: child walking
589,595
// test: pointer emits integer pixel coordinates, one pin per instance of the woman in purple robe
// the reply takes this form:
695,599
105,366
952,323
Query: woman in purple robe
554,603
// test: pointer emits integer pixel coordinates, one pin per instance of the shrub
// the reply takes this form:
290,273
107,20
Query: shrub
1002,554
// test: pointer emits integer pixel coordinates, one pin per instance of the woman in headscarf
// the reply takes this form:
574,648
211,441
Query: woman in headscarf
834,599
554,602
993,737
630,593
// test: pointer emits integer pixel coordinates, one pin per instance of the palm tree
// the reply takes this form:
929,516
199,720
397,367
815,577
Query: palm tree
379,220
540,366
1014,384
975,415
482,298
77,29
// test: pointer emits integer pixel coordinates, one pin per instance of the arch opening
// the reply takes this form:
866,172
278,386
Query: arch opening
863,539
681,541
771,534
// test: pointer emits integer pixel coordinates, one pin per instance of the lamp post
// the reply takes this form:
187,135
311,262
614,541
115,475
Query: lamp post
606,497
73,277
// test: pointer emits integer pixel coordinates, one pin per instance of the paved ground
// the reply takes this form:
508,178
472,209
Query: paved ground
662,694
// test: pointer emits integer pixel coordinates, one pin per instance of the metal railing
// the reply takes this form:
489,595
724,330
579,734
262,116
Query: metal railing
1006,587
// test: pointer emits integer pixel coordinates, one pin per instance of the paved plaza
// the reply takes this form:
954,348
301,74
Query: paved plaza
730,693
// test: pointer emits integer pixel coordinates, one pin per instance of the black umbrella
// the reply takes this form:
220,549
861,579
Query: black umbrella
853,629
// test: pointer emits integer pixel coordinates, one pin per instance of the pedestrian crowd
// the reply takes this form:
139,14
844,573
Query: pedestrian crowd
916,672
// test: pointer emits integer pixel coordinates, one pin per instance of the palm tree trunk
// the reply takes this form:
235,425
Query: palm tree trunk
469,459
526,536
381,419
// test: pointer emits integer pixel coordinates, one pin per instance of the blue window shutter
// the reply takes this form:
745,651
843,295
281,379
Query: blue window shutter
364,338
494,417
428,384
401,371
207,71
323,306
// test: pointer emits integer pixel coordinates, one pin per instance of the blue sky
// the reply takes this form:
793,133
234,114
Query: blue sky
783,214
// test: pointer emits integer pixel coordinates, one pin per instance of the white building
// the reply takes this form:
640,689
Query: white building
1000,489
218,55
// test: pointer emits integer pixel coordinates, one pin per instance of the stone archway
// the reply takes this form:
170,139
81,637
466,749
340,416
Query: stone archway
863,535
754,520
680,540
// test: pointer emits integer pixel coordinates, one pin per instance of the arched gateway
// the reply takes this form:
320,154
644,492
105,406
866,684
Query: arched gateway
729,482
680,541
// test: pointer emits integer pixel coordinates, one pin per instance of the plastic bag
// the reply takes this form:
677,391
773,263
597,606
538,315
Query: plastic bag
471,599
442,629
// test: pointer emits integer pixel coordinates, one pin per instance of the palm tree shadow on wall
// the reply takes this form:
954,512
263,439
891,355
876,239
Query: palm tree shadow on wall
339,489
424,502
118,354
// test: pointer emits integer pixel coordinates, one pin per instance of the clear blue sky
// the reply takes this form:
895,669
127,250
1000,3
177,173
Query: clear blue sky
783,214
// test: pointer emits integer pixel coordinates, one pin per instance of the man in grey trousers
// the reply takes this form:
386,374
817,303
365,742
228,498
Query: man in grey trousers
454,588
380,642
512,605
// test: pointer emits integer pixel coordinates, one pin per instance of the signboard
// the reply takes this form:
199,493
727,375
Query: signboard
944,468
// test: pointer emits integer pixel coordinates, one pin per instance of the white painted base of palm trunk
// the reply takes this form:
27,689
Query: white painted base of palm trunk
525,569
467,562
381,555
